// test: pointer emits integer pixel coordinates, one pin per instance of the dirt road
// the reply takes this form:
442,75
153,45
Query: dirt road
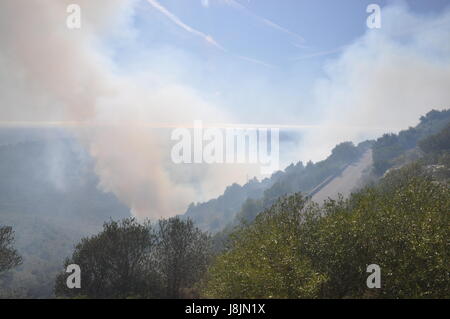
346,181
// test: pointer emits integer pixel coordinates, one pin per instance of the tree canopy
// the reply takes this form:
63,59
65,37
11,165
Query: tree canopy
133,260
296,249
9,256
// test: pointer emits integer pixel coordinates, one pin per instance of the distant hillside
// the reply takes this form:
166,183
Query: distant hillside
247,200
297,249
392,150
49,195
243,203
212,214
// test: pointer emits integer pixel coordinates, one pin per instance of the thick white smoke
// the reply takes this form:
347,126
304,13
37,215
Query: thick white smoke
51,73
385,80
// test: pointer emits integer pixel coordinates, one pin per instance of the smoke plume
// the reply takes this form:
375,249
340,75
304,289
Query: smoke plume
51,73
384,81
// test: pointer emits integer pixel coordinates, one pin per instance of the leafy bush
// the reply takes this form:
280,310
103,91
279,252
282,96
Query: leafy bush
264,260
297,250
438,142
132,260
9,257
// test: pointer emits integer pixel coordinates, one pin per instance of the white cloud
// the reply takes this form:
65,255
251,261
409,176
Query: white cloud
384,81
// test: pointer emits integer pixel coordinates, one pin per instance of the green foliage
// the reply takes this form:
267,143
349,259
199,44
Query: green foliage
114,263
9,257
182,255
298,178
296,250
390,146
345,152
437,143
264,261
403,229
245,202
385,149
215,213
238,202
132,260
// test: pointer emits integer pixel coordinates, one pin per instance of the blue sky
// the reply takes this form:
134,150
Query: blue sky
266,54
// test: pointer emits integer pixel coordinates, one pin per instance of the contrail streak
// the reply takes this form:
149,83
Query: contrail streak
155,4
269,23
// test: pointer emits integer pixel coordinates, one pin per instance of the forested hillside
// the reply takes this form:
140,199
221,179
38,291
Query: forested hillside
295,248
245,202
215,213
393,150
298,249
277,243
